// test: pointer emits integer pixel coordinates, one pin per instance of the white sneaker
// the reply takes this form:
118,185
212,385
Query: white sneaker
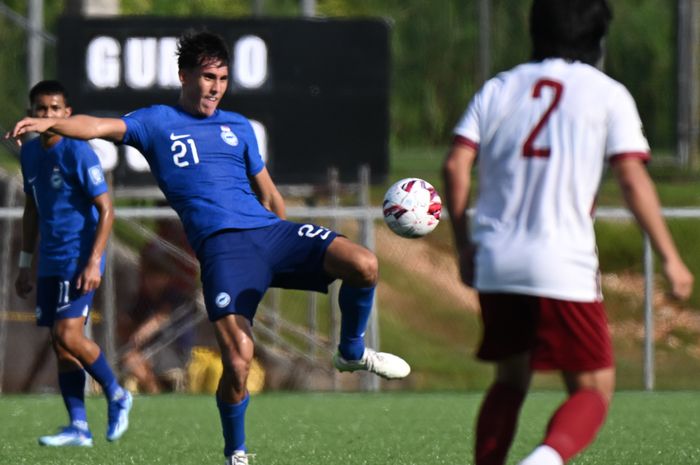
384,364
68,436
118,415
238,458
543,455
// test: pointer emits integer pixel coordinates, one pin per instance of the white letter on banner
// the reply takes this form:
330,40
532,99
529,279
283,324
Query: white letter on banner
106,152
261,137
167,62
250,62
102,62
135,160
140,62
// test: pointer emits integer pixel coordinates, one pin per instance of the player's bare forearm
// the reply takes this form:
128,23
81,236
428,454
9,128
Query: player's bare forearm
456,174
91,278
277,206
79,127
103,202
30,225
267,193
641,197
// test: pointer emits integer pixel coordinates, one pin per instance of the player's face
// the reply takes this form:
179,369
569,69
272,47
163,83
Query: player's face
203,87
50,106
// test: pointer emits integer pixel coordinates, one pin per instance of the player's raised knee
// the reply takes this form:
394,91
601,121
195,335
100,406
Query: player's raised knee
367,268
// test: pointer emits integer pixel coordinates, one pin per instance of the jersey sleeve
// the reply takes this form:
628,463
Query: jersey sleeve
137,124
89,171
253,158
468,129
625,136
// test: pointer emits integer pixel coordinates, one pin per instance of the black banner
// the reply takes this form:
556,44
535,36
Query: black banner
316,90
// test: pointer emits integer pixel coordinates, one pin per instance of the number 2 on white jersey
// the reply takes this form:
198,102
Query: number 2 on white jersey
179,150
529,149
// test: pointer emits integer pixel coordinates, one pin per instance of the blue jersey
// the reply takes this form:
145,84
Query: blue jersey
202,165
63,180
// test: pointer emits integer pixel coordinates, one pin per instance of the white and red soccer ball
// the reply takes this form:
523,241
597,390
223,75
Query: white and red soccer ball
412,207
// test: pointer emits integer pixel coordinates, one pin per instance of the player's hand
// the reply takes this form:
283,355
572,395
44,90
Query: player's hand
679,278
90,278
466,264
26,125
23,283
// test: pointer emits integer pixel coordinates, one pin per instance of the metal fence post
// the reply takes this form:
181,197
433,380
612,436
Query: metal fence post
648,315
5,257
370,383
109,314
334,289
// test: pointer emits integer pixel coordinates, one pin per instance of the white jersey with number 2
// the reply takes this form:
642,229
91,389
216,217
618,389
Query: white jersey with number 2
544,131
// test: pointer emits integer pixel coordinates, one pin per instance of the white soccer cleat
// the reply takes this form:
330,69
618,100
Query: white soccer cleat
68,436
384,364
238,458
543,455
118,415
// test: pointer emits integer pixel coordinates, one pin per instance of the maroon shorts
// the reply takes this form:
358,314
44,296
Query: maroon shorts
559,334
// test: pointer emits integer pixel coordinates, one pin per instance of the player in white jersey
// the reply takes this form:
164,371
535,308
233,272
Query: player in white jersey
543,132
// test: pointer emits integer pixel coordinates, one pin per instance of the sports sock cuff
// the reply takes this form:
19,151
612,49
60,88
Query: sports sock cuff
232,407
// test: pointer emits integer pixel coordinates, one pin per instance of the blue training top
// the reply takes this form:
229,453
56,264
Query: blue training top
63,180
202,165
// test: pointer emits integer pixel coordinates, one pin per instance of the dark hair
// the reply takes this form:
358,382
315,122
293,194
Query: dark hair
571,29
196,48
49,87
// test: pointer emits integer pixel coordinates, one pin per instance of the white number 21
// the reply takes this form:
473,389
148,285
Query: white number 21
179,150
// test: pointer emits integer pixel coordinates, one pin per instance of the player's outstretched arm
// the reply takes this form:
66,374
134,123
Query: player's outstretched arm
456,174
90,278
641,198
78,127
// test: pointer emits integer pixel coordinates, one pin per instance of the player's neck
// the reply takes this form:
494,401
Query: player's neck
49,140
187,107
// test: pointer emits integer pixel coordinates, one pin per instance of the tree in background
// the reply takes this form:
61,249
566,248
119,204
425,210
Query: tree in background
434,54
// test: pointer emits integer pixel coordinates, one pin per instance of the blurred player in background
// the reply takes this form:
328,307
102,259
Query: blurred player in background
67,205
209,167
157,349
543,132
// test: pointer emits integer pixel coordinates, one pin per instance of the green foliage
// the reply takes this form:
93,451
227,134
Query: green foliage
641,52
189,8
434,54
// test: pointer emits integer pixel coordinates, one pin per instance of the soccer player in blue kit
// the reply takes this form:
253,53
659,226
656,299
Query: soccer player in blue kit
68,207
208,165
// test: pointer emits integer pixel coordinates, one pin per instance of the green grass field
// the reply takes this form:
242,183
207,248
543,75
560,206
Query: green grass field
387,429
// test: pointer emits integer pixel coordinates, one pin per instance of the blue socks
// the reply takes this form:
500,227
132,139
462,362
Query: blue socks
103,374
72,385
233,424
355,309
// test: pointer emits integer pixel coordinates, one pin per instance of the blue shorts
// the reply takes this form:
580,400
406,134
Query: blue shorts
239,265
58,299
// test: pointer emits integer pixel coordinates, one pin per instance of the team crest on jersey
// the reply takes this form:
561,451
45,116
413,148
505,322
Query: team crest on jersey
228,136
222,299
96,175
56,179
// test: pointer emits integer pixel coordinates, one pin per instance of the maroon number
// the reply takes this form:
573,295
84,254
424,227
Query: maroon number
529,149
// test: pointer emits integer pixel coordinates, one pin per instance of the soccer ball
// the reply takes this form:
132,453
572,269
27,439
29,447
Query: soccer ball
412,207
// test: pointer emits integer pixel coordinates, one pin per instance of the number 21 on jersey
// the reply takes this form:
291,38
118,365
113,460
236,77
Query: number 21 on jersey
180,151
529,149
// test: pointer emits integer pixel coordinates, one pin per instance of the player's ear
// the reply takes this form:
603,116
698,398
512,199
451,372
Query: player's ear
69,111
181,75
